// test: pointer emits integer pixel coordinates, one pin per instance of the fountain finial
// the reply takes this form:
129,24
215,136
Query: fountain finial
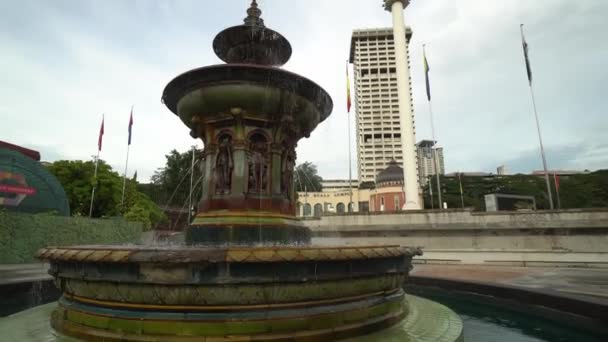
252,42
253,15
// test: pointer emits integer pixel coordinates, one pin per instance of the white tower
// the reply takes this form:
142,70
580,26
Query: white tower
408,140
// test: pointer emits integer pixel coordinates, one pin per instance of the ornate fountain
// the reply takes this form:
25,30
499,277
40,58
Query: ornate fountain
248,271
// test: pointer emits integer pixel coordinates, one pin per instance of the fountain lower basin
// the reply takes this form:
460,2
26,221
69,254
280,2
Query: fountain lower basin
248,293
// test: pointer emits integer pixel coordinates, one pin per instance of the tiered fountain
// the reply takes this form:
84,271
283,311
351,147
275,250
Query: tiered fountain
248,271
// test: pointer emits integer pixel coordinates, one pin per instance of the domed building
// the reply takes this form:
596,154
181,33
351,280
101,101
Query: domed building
388,195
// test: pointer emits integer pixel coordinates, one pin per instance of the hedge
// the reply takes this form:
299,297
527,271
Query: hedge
21,235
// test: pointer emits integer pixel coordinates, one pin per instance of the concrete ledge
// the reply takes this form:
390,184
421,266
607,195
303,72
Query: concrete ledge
526,258
461,220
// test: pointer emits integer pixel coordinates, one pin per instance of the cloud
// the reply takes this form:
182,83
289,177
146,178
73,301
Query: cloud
566,157
68,62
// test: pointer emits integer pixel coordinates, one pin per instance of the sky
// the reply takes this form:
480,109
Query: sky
64,63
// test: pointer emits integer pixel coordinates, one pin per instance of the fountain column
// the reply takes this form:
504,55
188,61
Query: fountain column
408,139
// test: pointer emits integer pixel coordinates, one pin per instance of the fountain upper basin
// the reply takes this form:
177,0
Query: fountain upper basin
262,92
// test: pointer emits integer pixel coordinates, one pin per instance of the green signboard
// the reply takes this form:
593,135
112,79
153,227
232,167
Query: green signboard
27,186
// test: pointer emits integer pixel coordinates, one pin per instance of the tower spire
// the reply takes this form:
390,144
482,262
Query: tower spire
253,15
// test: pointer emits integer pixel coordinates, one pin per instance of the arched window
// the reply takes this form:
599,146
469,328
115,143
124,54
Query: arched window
318,210
307,209
340,208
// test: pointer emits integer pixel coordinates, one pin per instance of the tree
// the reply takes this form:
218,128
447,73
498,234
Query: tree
575,191
306,178
77,179
139,207
171,184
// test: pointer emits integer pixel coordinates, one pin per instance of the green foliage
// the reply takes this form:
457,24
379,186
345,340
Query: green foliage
139,207
576,191
306,178
171,184
77,178
137,213
21,235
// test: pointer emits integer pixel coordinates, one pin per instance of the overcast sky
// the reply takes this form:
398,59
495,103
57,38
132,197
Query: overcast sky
65,62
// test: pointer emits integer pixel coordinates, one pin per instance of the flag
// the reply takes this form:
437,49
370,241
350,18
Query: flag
426,75
100,139
525,46
348,103
130,124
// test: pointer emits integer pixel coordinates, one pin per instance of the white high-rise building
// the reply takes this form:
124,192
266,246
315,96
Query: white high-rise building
372,54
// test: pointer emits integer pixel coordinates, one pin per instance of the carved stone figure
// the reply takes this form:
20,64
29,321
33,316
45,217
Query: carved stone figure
287,165
258,167
223,166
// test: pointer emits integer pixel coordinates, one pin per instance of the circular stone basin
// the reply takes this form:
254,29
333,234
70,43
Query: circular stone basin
263,92
264,293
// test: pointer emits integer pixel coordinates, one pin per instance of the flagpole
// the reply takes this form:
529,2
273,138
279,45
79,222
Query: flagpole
191,179
434,154
542,149
540,138
430,181
124,177
350,177
349,207
555,179
99,144
461,193
305,201
433,148
94,185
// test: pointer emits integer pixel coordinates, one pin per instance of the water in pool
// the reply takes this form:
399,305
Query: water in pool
486,320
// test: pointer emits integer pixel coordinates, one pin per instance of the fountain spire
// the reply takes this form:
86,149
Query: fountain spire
254,15
252,42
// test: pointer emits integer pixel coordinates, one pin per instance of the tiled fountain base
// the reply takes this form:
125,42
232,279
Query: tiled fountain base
426,321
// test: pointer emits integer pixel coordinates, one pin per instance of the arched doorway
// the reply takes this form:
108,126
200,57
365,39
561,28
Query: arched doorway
299,209
340,208
307,210
318,211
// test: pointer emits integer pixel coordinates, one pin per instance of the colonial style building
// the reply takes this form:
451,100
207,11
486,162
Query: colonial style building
387,196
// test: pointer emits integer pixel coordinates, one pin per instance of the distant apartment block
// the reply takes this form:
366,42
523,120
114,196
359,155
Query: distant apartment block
426,165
